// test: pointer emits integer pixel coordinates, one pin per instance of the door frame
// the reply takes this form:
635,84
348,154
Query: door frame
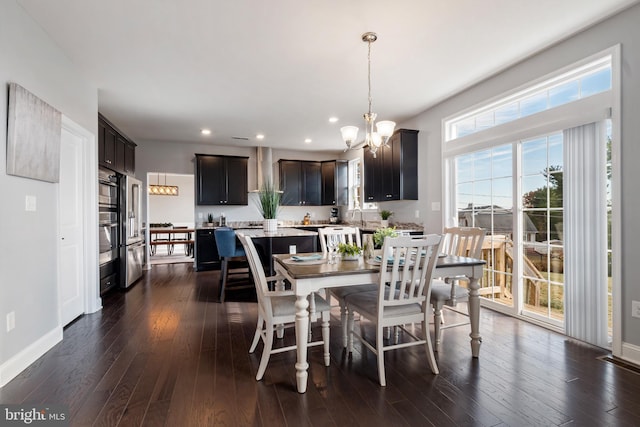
89,204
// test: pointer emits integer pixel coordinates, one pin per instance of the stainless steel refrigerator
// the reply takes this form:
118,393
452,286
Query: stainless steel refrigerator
132,249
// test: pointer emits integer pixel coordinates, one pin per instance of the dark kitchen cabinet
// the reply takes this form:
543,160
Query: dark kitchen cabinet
221,180
335,183
207,257
301,182
393,173
115,151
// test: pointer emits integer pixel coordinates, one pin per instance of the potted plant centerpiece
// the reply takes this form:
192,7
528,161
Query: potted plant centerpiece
349,252
381,233
268,205
385,215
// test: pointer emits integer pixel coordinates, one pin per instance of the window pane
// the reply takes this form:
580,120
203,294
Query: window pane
534,191
465,196
534,156
482,193
464,168
502,162
555,189
555,151
465,127
535,226
533,104
484,121
506,113
596,82
563,94
482,165
503,192
556,226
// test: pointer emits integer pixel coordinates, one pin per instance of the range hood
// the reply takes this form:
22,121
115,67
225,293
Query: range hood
264,164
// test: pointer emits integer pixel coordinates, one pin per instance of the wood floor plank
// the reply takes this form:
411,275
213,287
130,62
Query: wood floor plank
166,353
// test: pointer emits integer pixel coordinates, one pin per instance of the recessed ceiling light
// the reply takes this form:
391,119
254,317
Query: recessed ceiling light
205,132
333,119
259,136
307,141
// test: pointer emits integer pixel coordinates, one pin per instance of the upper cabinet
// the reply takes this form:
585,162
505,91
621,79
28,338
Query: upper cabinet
301,182
115,151
221,180
393,174
335,183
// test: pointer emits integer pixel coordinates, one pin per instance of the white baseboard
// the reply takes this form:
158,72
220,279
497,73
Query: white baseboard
18,363
631,353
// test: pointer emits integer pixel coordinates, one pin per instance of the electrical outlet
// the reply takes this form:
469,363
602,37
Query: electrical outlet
30,203
11,321
635,309
417,213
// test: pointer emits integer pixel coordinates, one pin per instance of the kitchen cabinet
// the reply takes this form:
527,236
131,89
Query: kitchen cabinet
206,253
301,182
393,174
221,180
115,151
335,183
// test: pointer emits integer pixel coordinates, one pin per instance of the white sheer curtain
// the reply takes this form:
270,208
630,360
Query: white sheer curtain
585,233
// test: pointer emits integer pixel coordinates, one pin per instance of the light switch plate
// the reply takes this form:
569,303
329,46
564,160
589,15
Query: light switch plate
635,309
30,203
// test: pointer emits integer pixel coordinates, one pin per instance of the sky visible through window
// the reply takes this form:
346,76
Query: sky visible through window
567,91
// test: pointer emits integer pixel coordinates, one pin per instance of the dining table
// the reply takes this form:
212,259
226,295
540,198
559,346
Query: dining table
308,274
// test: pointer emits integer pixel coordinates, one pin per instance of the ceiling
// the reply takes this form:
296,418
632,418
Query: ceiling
283,67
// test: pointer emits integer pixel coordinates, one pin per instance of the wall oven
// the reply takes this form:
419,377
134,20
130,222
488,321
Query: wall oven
107,216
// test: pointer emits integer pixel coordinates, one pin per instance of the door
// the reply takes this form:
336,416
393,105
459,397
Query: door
70,245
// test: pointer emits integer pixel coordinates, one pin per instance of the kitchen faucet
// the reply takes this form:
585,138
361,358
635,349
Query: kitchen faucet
353,214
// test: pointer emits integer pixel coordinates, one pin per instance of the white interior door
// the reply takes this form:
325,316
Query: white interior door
70,249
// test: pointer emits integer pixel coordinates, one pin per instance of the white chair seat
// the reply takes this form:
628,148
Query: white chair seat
286,305
366,303
341,293
441,291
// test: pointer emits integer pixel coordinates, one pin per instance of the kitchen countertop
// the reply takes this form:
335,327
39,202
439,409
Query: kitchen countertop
369,227
282,232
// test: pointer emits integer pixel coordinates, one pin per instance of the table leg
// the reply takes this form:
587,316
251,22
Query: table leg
302,333
474,315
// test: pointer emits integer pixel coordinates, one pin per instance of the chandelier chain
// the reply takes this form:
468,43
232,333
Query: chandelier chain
369,74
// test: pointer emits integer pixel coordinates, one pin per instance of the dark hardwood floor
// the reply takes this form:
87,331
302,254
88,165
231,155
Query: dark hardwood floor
165,353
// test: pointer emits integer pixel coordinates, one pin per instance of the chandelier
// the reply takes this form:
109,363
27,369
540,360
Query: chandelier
163,190
384,128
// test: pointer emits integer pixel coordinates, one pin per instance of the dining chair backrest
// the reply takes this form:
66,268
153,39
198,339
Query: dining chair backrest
349,235
463,241
257,270
409,270
226,242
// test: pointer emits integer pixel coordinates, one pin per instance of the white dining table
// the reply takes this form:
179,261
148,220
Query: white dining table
306,278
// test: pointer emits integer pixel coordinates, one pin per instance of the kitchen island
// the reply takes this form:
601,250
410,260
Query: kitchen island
284,241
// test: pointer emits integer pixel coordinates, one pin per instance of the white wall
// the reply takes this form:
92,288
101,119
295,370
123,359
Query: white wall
28,240
177,210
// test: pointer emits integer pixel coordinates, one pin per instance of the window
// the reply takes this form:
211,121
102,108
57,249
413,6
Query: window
356,190
581,82
524,183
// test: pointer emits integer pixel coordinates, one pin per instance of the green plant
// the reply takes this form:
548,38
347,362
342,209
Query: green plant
210,218
268,201
381,233
349,249
384,214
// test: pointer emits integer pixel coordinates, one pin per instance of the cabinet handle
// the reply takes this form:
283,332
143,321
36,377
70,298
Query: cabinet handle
108,161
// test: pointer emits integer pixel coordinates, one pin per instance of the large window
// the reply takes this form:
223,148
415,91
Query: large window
524,183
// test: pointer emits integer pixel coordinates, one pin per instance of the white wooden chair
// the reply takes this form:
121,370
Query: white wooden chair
349,235
460,241
404,299
276,309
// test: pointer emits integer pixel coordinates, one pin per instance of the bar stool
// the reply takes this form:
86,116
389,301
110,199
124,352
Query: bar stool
229,249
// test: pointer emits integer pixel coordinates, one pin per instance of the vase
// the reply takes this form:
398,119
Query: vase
270,225
384,223
350,257
368,246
